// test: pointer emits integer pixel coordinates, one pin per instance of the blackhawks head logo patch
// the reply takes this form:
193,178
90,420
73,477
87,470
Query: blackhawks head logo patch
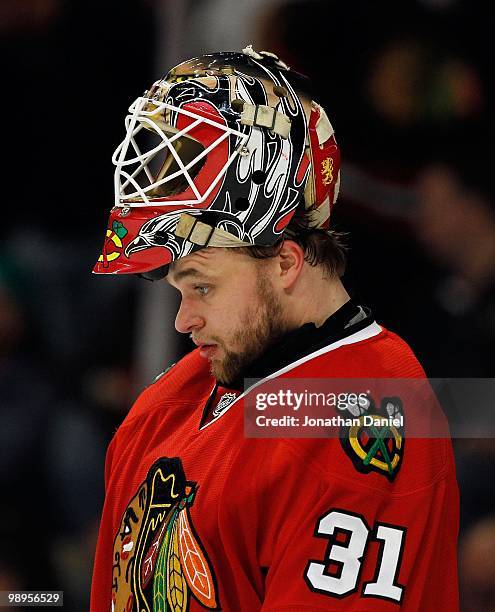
375,441
159,561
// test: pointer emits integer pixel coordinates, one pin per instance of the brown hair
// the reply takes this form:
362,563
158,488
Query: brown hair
321,247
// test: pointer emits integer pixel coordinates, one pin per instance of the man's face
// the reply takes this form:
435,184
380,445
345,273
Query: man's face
229,306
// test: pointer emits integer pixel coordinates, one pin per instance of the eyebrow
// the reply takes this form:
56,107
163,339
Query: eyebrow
187,272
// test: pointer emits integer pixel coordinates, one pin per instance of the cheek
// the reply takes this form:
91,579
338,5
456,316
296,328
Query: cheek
232,308
245,288
221,321
224,310
226,324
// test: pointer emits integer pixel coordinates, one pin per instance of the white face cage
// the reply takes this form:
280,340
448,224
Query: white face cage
135,179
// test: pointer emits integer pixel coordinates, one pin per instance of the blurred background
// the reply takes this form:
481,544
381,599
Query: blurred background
409,89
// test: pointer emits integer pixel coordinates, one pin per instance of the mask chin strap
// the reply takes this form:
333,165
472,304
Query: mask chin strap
203,234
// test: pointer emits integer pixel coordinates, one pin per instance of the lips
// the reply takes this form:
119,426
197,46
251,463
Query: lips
207,350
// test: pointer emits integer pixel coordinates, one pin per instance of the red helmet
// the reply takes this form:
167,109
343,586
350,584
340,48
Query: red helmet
220,152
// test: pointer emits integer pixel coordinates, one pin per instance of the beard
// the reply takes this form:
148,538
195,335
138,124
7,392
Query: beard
262,324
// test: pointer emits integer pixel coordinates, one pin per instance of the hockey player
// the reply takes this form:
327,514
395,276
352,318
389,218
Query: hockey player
225,182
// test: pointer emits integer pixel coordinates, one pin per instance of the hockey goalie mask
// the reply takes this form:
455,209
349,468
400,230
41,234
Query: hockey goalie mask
218,153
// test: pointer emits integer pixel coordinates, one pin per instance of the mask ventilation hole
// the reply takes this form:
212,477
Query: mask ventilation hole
258,177
242,204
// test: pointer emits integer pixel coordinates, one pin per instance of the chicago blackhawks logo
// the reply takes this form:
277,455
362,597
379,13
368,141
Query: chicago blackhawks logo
375,442
112,247
159,562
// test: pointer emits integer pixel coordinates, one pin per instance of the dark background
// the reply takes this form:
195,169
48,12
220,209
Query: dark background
408,87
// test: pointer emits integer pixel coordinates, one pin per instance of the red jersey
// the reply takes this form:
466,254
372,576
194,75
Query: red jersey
201,517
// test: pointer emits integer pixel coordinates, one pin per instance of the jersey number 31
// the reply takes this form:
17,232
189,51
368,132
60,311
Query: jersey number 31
348,536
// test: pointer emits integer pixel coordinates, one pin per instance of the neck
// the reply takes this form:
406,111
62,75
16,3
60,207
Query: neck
314,298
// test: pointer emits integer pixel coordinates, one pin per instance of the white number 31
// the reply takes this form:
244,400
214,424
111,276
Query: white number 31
346,557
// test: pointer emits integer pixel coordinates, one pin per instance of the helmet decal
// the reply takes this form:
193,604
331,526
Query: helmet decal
157,232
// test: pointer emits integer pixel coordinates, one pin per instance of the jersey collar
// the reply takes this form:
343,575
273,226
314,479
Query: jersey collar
294,345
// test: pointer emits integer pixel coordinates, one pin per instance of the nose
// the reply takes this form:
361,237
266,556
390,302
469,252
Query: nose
187,318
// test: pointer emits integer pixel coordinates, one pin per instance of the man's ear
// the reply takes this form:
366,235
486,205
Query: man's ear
290,261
